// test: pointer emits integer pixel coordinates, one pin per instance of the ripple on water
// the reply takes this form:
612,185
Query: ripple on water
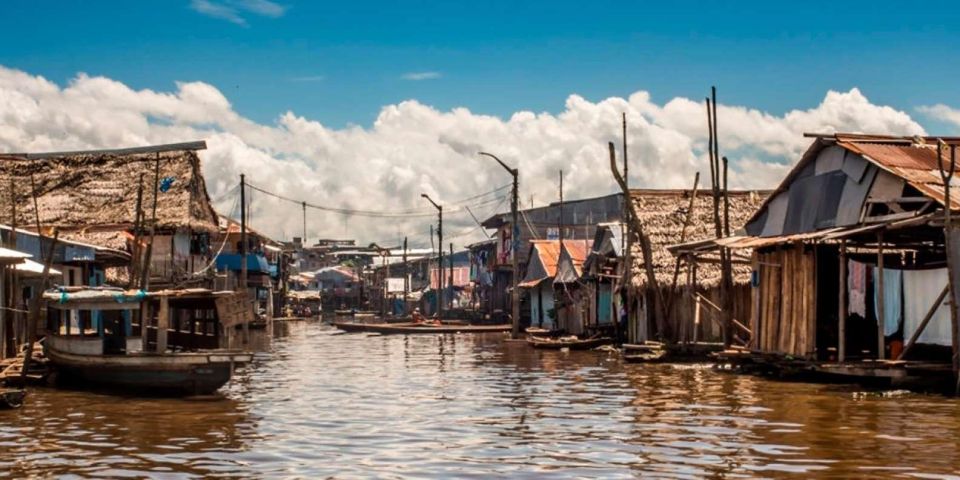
345,406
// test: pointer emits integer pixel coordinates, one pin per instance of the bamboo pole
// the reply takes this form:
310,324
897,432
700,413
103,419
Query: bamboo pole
881,308
145,271
842,320
36,303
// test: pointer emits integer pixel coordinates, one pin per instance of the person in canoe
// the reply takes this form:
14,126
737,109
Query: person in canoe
419,319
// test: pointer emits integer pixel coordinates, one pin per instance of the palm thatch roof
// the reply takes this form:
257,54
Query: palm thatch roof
664,212
92,195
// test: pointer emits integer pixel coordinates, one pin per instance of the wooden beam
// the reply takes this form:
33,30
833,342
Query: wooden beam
842,320
881,309
163,323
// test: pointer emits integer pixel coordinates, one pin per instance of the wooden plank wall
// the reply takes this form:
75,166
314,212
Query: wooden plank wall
684,310
787,302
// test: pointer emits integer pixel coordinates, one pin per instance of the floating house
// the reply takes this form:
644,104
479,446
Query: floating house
91,197
602,273
850,272
541,272
580,218
690,290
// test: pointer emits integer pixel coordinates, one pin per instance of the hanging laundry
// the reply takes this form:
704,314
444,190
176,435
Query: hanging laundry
892,298
857,288
920,289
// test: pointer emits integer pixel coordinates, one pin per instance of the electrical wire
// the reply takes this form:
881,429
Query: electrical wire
414,213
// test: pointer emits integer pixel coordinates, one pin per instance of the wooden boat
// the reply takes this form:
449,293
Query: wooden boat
10,399
418,328
186,373
657,352
539,332
573,343
161,357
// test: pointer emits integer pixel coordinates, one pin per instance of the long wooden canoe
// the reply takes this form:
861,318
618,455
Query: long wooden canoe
418,328
571,343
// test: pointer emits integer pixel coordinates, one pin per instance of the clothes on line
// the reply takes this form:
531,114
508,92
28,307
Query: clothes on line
857,288
892,298
920,289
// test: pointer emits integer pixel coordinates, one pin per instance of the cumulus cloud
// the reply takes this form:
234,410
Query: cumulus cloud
232,10
941,112
413,148
416,76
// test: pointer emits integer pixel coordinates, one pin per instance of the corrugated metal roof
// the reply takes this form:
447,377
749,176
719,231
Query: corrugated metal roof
916,164
548,253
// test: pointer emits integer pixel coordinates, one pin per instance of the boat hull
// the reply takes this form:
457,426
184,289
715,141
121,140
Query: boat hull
415,328
10,399
167,374
552,344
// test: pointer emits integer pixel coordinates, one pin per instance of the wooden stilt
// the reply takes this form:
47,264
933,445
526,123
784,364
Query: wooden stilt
163,323
881,310
843,313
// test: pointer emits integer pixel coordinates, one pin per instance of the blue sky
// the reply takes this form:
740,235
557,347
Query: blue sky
340,62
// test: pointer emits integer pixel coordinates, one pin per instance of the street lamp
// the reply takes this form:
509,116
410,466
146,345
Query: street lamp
440,257
514,245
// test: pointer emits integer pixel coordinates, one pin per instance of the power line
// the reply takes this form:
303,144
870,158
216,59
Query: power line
416,213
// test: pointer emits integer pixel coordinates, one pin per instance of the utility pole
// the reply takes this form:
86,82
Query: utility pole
440,254
304,205
243,250
514,245
451,275
406,276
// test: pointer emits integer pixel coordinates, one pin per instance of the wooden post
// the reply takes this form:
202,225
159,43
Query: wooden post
881,309
843,313
145,272
37,301
627,254
163,323
243,252
406,276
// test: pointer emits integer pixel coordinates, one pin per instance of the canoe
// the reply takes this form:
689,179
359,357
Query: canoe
571,343
187,373
539,332
417,328
10,399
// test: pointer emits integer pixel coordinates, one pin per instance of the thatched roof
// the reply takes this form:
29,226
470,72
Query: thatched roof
92,196
663,213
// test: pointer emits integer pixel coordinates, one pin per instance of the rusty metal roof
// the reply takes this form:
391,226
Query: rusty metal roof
917,164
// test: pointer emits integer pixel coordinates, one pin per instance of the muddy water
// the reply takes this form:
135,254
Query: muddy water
317,404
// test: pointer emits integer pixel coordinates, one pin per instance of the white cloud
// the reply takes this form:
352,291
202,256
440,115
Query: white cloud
231,10
413,148
941,112
416,76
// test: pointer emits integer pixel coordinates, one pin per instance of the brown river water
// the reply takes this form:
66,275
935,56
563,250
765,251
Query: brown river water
316,404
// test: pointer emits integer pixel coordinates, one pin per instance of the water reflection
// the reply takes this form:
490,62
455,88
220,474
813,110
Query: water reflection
319,404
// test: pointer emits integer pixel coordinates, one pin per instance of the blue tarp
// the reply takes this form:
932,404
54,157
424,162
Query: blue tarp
231,261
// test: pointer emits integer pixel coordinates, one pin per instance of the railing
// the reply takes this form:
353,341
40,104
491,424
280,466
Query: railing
739,326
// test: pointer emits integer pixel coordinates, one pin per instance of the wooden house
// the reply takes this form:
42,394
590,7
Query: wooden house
850,262
672,217
92,197
541,272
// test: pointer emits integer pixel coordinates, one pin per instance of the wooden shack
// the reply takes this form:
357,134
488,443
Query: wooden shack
679,216
849,261
92,197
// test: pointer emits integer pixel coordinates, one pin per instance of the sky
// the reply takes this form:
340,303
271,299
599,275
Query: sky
368,104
